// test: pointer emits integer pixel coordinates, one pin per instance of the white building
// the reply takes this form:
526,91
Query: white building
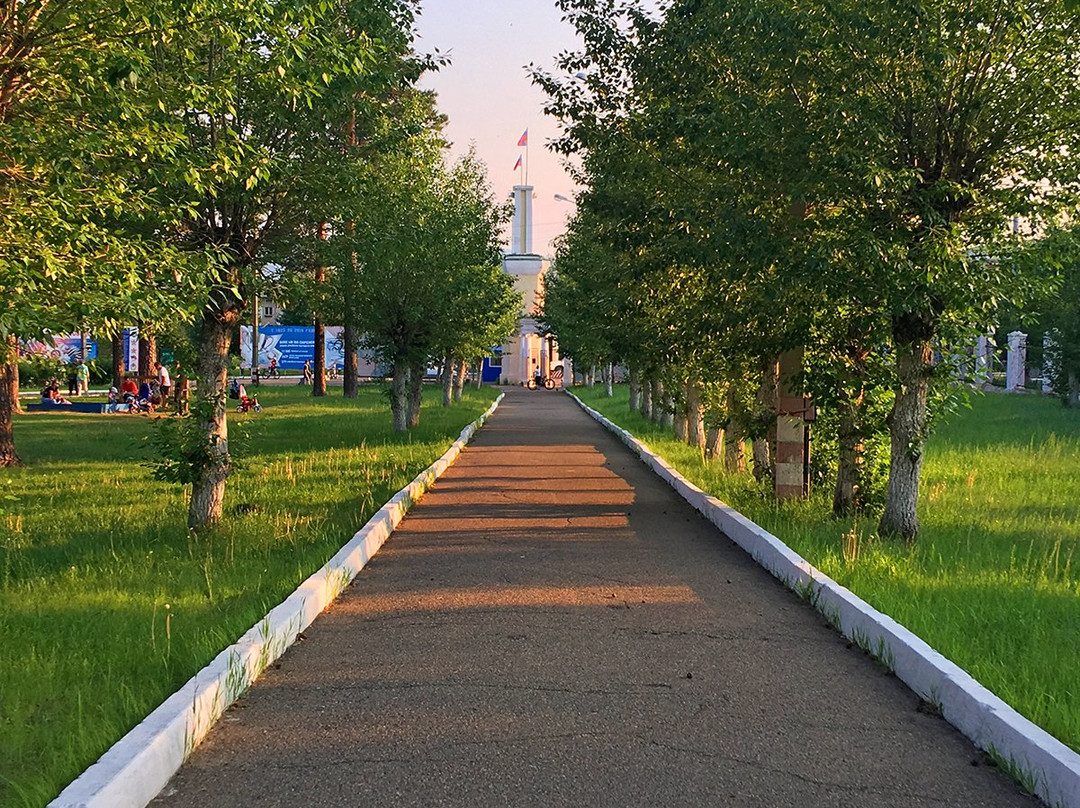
527,351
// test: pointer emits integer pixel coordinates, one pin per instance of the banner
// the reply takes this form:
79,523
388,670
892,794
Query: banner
292,345
63,348
131,348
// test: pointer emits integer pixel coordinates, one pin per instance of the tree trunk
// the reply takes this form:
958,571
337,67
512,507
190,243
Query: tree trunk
415,393
680,424
13,382
1072,397
9,400
256,377
399,405
714,442
734,453
846,495
695,416
212,369
667,415
734,436
350,385
590,380
635,391
118,368
147,352
766,404
609,381
447,379
645,403
459,378
907,426
657,401
318,384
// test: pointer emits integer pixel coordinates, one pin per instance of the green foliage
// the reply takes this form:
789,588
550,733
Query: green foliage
417,256
183,452
837,176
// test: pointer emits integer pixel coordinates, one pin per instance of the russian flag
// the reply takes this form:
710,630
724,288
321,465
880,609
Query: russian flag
524,139
517,165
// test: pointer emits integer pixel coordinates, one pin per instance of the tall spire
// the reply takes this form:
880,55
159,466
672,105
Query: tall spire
521,232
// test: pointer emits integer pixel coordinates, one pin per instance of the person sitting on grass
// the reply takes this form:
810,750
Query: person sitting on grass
50,394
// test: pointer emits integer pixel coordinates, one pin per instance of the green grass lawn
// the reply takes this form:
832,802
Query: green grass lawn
994,580
107,605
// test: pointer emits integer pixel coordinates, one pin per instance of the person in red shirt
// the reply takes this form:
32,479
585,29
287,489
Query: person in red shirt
129,391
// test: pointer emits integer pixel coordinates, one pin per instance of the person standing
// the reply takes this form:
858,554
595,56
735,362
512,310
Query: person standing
308,377
164,382
82,377
181,395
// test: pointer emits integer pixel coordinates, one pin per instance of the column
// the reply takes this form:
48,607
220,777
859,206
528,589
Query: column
1017,361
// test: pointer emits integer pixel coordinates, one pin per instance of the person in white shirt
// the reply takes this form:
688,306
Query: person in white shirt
164,382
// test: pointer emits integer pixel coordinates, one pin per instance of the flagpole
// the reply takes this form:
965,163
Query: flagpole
526,158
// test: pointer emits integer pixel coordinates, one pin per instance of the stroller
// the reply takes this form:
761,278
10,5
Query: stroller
246,403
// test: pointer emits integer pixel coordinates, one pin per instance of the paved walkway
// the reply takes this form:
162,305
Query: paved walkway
553,626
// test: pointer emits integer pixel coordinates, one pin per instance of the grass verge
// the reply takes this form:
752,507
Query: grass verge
993,582
107,605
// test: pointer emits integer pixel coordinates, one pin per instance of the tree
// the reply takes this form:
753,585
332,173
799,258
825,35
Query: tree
480,308
965,115
84,148
267,79
425,244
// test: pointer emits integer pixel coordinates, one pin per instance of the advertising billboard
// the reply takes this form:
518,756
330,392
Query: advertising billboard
63,348
292,345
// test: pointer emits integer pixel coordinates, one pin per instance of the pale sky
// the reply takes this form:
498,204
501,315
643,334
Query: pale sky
489,99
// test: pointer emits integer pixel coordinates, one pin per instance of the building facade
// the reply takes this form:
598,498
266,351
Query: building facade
528,352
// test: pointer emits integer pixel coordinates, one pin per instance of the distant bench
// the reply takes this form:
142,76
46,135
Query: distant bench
77,406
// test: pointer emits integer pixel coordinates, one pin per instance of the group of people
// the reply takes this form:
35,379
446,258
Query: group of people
153,393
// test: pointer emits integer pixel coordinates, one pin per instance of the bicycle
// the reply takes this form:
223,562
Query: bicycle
549,383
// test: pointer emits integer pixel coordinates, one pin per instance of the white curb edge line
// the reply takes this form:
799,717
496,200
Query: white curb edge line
985,719
135,769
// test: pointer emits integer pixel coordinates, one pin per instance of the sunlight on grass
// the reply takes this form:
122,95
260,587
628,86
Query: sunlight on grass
107,605
994,580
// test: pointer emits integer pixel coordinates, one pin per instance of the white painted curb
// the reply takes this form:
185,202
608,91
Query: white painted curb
984,718
141,763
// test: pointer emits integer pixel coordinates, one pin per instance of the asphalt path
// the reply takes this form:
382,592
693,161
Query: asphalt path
553,625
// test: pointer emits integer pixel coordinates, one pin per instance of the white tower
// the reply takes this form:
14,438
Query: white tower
521,234
526,353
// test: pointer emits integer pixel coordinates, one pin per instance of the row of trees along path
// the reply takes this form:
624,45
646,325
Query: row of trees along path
154,163
841,178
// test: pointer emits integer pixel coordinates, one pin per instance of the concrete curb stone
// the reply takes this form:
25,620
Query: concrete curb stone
992,725
139,765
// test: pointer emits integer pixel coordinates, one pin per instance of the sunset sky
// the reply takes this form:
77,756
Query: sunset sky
489,98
